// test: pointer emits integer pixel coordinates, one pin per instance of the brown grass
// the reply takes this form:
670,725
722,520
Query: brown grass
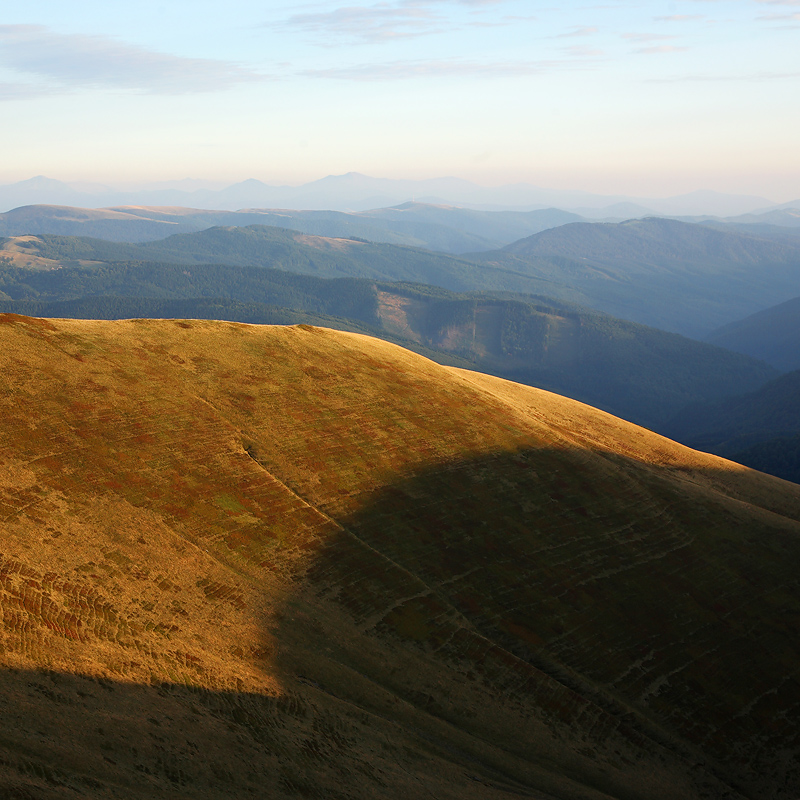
328,567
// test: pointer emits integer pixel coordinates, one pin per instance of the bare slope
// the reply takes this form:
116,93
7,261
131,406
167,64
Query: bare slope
290,562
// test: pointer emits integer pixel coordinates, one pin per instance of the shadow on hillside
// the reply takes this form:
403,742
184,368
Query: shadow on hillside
548,623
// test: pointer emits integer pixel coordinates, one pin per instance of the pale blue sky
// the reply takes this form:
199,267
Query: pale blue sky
643,98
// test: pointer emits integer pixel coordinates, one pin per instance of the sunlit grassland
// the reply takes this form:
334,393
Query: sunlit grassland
338,569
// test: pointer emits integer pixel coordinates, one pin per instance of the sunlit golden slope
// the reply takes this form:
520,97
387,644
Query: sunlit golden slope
290,562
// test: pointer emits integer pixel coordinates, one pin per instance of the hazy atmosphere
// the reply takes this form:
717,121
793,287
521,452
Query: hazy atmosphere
650,99
400,400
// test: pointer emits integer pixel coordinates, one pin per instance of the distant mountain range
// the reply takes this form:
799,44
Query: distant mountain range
435,227
672,275
783,217
760,429
728,426
356,192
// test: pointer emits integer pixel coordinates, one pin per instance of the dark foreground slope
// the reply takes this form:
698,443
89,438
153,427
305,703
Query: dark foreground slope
290,562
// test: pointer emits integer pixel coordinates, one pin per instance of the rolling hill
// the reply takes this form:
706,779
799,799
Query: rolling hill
247,561
772,335
433,227
639,373
278,248
672,275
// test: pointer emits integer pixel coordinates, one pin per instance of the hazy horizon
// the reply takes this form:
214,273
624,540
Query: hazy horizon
195,183
654,101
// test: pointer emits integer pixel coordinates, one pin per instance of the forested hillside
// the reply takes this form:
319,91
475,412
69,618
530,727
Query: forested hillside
738,422
277,248
665,273
772,335
434,227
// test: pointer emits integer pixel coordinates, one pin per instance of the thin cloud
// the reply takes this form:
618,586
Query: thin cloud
71,61
647,37
369,23
383,21
755,77
22,91
679,18
581,51
403,70
780,2
503,22
578,30
663,48
779,17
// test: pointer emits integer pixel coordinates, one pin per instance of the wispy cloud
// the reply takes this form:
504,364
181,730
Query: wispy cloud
72,61
578,30
680,18
22,91
647,37
663,48
756,77
383,21
369,23
444,68
782,21
581,51
503,22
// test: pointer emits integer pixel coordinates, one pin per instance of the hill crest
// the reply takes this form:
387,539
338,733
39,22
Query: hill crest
327,558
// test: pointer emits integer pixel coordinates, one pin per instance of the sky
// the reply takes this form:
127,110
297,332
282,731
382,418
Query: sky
644,98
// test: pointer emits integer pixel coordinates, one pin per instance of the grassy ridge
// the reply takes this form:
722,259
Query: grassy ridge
288,560
640,373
